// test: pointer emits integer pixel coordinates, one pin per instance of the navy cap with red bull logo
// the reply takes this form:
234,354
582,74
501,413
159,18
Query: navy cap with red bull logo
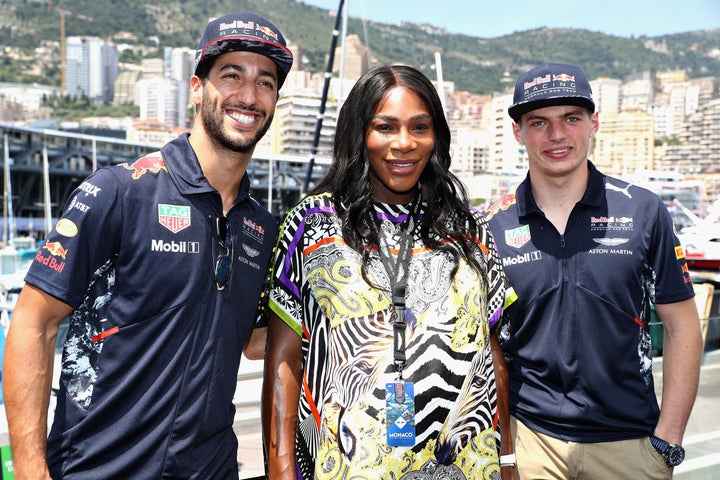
245,31
548,85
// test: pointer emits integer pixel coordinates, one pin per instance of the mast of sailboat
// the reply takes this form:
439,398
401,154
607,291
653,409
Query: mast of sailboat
441,84
7,214
323,99
46,186
341,94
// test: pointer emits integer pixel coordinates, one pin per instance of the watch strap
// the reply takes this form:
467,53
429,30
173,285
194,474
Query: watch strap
659,444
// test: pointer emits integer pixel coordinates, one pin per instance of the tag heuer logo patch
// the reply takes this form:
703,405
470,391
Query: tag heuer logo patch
517,237
174,217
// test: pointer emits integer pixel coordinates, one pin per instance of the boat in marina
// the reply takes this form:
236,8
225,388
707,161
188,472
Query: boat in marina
701,239
698,228
15,261
683,197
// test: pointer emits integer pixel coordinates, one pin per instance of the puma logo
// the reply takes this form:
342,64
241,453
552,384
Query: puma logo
624,191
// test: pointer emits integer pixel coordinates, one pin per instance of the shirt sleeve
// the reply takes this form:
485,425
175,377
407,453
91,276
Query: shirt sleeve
500,293
84,238
287,282
262,309
667,259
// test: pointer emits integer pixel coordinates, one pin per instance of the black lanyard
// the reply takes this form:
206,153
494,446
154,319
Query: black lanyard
397,272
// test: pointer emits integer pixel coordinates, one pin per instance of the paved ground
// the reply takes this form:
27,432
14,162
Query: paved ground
247,420
702,437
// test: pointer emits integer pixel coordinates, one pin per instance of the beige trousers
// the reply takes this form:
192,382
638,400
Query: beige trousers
543,457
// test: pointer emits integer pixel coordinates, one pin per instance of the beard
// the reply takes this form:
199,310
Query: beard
212,119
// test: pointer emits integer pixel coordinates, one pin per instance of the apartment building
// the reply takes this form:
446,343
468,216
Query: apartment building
91,68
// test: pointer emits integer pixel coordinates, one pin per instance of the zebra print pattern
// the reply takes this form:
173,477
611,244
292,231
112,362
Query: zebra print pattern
348,350
455,432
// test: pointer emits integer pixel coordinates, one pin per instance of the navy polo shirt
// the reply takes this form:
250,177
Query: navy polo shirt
578,339
150,363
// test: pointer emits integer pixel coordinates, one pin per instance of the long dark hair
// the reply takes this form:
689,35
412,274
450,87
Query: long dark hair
447,216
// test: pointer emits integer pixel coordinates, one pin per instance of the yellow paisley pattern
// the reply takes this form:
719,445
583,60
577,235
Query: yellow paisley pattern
341,292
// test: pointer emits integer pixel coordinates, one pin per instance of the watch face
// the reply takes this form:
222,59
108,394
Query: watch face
675,455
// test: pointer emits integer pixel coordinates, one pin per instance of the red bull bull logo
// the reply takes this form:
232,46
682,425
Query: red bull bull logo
563,77
150,163
503,203
267,31
686,273
56,249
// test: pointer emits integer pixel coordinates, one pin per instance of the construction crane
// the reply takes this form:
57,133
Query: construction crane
63,11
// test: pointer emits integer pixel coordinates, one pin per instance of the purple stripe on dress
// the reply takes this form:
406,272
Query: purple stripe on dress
284,274
395,218
495,318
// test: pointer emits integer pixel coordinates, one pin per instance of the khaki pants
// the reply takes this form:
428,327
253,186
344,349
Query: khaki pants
543,457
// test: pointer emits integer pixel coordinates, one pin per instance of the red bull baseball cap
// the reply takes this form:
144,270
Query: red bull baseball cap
245,31
548,85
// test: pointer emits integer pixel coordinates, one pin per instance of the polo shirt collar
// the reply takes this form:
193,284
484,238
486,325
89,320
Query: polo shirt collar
184,169
594,194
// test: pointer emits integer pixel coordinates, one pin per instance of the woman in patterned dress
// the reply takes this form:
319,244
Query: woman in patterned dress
339,401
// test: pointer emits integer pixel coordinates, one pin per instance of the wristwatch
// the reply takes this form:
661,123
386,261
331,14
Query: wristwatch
674,454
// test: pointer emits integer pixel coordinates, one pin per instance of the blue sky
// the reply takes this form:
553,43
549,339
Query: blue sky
494,18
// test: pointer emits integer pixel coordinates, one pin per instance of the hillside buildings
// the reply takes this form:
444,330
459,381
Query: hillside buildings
20,102
649,121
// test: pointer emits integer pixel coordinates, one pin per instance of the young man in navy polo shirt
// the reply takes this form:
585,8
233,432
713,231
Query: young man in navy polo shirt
587,255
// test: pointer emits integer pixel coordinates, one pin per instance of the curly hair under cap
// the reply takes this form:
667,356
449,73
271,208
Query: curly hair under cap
447,216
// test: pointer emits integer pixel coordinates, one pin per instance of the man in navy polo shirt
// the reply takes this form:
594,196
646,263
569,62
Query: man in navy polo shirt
159,264
587,254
